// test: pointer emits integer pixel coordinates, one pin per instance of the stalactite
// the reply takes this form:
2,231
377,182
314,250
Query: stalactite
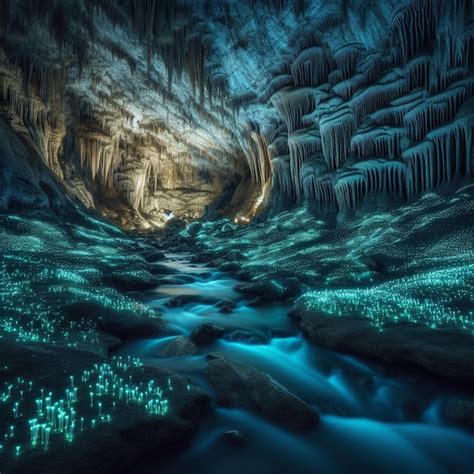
119,53
346,58
378,96
5,11
347,88
316,183
379,142
372,63
278,5
58,24
292,104
99,153
336,132
197,51
349,187
394,114
452,40
312,66
453,146
384,176
281,175
306,36
276,84
420,161
254,143
418,72
414,24
279,146
438,109
302,144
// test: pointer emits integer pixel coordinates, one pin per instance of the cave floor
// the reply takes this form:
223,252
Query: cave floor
102,367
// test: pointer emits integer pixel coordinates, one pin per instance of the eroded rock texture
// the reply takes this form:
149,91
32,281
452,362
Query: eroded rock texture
375,97
162,105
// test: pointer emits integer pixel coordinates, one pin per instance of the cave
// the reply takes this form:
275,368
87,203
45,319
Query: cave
236,236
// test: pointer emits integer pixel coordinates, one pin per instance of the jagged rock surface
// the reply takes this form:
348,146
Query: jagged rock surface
157,106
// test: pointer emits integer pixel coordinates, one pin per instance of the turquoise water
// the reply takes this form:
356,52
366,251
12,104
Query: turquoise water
370,421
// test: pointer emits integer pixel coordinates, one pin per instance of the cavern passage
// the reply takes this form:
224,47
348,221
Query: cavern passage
236,236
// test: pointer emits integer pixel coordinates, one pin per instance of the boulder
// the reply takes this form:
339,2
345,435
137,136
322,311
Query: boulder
444,351
129,326
273,289
241,386
153,256
179,346
226,306
205,333
229,267
131,279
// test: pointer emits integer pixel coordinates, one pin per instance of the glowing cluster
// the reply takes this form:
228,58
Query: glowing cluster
40,417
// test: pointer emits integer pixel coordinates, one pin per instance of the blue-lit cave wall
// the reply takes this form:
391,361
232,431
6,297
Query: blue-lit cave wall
374,98
328,101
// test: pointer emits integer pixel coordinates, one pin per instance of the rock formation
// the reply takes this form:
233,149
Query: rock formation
161,105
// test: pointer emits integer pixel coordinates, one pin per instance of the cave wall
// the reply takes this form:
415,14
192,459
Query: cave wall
161,105
374,98
117,100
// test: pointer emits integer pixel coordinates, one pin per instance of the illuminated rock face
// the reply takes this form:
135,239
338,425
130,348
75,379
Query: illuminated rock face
156,106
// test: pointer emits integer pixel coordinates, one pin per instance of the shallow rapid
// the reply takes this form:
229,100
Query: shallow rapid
371,420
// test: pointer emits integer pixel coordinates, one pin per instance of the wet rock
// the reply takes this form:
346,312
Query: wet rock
206,333
244,275
213,355
248,337
242,386
159,269
179,346
205,275
273,289
131,280
447,352
129,326
183,300
179,301
226,306
461,411
125,325
229,267
235,255
235,437
194,228
412,410
153,256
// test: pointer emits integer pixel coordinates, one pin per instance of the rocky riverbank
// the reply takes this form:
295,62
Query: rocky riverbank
395,286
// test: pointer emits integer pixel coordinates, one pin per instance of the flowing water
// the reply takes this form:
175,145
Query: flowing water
370,421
